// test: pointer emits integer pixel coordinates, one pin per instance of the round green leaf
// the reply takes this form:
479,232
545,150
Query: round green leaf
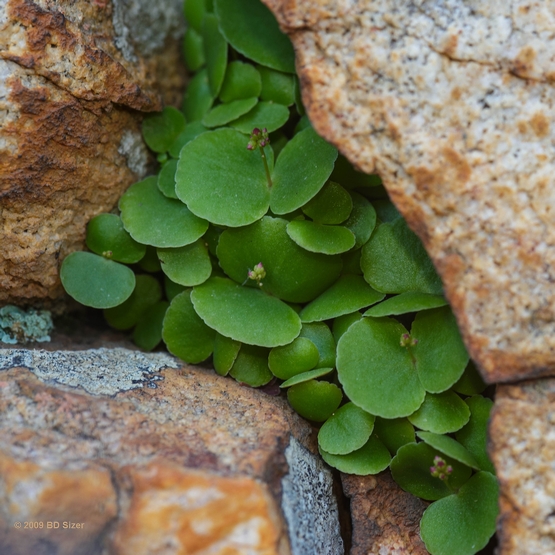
306,376
162,128
197,98
386,210
320,334
166,179
342,323
148,331
192,131
244,314
326,239
222,181
153,219
440,354
301,170
224,113
189,265
410,468
252,30
348,294
299,101
215,53
225,353
277,86
193,49
185,334
394,432
474,436
378,374
194,13
263,115
371,458
362,220
351,262
441,413
470,383
147,292
406,302
289,360
106,236
172,289
96,281
251,366
292,273
394,261
350,178
347,430
314,400
448,446
332,205
149,262
462,524
241,81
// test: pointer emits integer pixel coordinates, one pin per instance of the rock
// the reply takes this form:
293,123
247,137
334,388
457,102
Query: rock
522,448
75,79
386,519
452,104
145,455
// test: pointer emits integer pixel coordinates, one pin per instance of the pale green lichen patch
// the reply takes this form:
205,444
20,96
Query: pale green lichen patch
23,326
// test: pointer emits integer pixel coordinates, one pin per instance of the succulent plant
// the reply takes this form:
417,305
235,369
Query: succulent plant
257,245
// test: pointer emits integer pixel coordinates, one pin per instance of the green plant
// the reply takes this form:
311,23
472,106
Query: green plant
282,262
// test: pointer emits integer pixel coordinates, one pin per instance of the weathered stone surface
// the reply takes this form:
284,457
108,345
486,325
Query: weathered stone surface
386,519
451,103
75,78
522,448
154,457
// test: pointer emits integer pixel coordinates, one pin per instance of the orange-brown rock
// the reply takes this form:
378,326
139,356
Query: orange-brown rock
385,518
522,448
452,104
75,79
149,456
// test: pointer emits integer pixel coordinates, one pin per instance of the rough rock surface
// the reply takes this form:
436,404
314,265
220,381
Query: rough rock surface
75,78
153,457
386,519
452,104
522,448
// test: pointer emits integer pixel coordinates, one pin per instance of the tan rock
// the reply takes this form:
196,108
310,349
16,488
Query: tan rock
154,457
196,511
75,79
522,448
451,103
385,519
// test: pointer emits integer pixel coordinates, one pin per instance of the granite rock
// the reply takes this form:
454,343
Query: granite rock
75,81
451,103
154,457
522,448
385,519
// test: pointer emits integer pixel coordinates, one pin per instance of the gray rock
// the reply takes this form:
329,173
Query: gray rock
148,452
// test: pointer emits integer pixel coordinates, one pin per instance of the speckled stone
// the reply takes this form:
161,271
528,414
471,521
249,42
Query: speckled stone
452,104
177,458
386,519
75,81
522,448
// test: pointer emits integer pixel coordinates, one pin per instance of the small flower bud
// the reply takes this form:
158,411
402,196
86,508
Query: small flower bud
257,273
440,469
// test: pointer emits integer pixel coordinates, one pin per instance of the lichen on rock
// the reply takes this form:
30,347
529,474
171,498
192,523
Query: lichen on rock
24,326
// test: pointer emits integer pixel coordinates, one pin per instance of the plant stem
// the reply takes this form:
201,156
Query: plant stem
265,160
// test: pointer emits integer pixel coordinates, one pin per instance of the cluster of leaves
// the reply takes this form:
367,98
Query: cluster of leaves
265,251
